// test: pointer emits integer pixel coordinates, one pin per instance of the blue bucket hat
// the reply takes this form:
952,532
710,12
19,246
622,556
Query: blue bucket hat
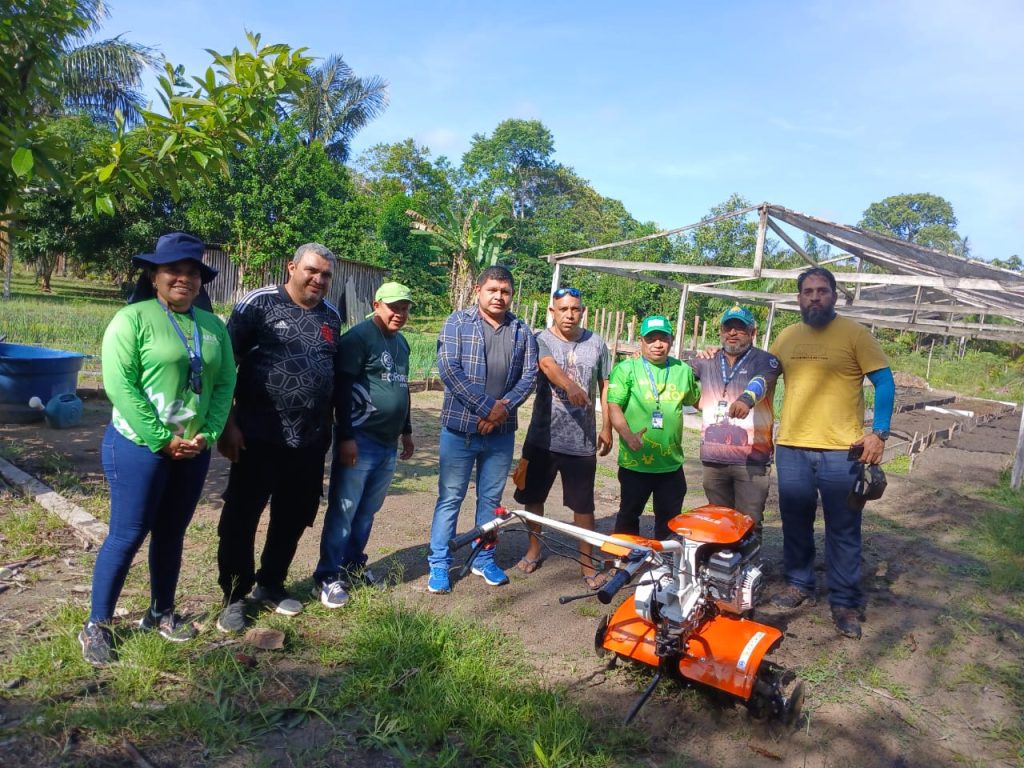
177,246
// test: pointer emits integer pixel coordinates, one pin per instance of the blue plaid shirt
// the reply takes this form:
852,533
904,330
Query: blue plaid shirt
462,365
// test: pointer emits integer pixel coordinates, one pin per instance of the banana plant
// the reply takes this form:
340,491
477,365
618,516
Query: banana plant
470,239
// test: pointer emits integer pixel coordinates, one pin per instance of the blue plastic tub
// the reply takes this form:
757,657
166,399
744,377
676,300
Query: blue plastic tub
27,372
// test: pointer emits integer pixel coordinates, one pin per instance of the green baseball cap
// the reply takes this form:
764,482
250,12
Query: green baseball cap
736,312
654,323
389,293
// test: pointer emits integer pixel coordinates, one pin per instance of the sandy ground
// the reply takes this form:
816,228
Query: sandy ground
898,697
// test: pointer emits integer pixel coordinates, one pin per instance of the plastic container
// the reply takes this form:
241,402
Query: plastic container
27,372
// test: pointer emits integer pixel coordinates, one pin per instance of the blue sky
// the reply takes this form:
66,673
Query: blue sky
670,107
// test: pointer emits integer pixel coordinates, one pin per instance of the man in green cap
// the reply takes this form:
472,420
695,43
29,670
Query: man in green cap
372,412
646,396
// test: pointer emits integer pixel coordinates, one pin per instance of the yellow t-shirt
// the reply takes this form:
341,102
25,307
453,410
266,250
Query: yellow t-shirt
823,370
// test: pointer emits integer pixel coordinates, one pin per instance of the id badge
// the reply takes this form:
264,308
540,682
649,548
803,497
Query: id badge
657,420
723,409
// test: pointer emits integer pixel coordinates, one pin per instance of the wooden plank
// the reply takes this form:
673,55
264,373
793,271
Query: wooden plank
1017,473
801,252
677,345
929,281
762,225
556,274
554,257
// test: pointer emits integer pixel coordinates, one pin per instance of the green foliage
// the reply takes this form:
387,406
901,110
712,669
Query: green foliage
469,238
513,162
280,193
405,168
333,105
404,681
920,218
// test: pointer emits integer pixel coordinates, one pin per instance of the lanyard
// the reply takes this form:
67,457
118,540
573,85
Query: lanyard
654,386
726,379
195,357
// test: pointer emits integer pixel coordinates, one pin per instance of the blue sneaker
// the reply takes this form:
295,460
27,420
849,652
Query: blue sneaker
491,573
439,583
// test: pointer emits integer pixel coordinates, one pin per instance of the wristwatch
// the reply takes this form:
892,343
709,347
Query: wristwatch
881,434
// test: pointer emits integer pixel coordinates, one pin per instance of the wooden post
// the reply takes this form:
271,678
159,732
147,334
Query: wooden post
619,319
768,326
533,315
583,322
704,334
696,328
1017,474
556,274
680,330
762,226
631,331
928,370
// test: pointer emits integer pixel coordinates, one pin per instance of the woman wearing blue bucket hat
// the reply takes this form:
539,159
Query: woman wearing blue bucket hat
169,372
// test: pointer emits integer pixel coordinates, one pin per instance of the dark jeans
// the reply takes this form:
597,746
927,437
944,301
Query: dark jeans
293,481
804,474
743,487
150,493
635,488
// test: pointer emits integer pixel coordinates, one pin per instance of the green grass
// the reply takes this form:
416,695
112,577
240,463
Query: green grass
444,690
999,536
25,529
978,374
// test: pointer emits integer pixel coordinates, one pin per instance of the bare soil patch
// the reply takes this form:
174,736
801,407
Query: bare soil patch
932,682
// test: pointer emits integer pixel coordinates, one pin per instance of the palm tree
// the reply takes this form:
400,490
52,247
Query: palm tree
470,238
335,105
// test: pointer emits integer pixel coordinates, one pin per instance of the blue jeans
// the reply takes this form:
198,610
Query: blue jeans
150,493
355,495
804,474
460,453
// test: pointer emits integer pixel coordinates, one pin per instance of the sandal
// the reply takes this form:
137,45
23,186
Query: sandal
528,565
596,581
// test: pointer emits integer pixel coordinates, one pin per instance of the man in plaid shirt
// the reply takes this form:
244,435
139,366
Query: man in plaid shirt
487,360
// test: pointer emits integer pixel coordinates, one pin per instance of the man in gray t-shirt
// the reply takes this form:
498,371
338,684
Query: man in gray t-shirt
563,438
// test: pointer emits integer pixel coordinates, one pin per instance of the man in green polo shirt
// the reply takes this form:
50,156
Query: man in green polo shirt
646,396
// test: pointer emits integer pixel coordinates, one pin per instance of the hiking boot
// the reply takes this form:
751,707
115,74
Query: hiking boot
97,644
439,583
331,594
792,597
169,625
491,573
232,618
277,599
847,621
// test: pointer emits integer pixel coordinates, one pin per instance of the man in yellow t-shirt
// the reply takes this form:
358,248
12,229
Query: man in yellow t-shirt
824,361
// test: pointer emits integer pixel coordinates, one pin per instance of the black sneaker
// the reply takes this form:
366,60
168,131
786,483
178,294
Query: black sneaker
232,618
169,625
277,599
97,644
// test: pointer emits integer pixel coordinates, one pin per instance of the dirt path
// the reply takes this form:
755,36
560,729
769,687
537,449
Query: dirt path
934,681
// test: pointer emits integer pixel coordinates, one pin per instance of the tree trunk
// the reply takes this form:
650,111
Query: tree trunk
7,254
460,285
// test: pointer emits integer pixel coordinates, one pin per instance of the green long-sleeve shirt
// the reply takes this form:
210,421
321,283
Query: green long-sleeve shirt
146,375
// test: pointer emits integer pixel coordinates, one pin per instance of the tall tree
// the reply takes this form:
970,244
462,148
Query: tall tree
920,218
513,161
334,105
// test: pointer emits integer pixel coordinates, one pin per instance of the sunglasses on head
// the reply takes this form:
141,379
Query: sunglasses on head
560,292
